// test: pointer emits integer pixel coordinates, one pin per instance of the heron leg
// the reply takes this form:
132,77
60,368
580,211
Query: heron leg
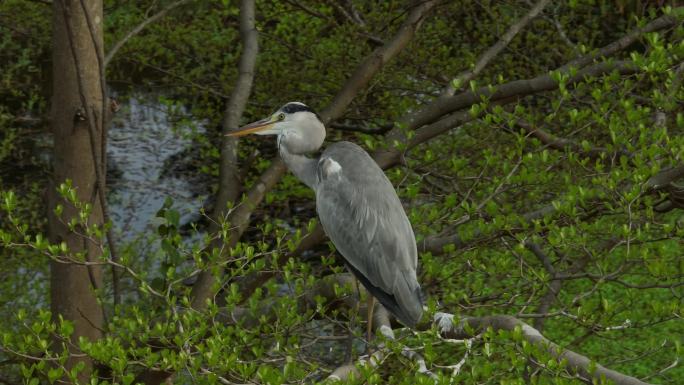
371,305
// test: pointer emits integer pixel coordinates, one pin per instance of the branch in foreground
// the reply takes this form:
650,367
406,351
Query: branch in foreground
326,288
658,24
578,363
382,324
448,329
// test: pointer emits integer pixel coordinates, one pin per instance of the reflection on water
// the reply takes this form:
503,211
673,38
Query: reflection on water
142,141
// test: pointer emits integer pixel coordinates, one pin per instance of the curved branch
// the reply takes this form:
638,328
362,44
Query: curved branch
138,28
466,76
577,363
658,24
379,130
370,66
442,106
101,160
559,143
229,176
659,182
516,88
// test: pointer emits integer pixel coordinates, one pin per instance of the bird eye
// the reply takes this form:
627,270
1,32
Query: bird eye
281,116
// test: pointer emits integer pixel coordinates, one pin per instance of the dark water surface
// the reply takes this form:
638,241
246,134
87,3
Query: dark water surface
142,141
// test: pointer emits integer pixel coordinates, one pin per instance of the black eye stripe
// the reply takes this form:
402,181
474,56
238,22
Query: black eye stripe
291,108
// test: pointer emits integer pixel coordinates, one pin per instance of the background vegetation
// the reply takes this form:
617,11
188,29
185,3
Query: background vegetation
542,186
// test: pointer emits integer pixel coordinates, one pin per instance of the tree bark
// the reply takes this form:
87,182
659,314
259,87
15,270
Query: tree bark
76,139
229,176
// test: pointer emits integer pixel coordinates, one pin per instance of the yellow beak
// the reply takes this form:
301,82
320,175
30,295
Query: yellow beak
254,127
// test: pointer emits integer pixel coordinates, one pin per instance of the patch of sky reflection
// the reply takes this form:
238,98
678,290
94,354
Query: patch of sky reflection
143,139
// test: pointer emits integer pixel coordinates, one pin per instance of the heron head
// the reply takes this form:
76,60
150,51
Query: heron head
295,123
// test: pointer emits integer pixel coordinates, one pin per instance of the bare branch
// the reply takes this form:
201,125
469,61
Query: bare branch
375,61
517,88
541,256
665,21
561,144
306,9
138,28
101,161
659,182
229,176
465,77
439,108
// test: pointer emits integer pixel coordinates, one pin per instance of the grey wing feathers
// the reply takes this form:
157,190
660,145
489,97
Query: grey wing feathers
362,215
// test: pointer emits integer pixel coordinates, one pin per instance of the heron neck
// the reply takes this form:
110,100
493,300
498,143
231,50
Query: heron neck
301,165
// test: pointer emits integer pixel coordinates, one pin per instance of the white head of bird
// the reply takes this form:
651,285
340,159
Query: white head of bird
298,128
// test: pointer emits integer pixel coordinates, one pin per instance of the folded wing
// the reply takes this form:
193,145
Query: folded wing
361,213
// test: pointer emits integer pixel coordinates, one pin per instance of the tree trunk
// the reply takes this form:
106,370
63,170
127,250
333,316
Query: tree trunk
77,130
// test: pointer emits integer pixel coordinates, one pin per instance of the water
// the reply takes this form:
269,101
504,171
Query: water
142,141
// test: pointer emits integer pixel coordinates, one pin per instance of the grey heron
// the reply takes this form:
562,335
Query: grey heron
356,204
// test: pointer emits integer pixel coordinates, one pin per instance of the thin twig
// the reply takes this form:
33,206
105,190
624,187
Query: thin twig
138,28
465,77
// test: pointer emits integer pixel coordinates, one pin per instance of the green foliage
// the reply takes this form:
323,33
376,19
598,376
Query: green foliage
616,253
24,45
